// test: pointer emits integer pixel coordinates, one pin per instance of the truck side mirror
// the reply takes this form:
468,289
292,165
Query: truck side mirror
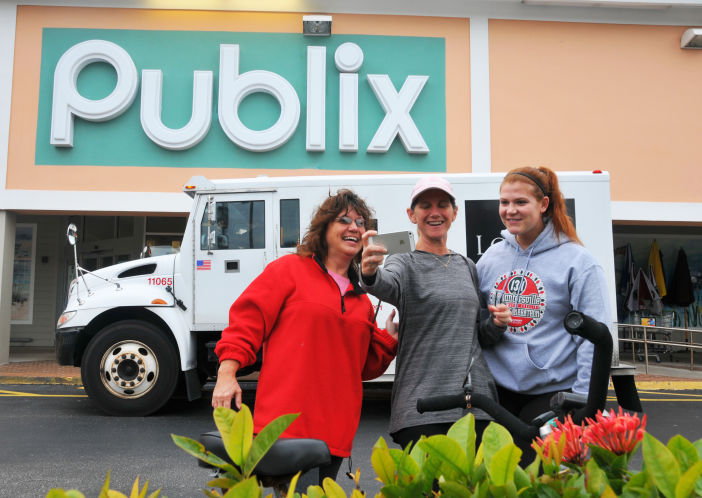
211,210
72,234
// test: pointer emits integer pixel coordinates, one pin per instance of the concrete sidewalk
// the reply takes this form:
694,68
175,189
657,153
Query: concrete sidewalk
38,366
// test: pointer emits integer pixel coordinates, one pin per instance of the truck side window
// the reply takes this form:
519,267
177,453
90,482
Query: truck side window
289,222
239,225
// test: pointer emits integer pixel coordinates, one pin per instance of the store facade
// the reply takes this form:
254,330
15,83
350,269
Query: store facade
109,111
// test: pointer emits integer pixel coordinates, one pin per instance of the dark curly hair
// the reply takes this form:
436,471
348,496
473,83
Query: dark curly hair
315,240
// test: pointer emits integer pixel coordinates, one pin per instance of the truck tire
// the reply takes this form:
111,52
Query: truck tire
130,368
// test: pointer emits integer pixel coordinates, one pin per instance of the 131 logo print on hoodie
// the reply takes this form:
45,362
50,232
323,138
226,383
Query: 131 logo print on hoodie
525,295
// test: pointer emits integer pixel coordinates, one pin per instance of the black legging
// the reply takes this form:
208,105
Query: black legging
405,436
526,407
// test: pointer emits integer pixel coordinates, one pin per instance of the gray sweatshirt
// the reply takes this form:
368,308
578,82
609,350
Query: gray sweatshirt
439,308
541,284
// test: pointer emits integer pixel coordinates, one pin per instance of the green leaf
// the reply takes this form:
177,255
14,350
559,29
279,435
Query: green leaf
248,488
222,483
660,462
698,446
463,432
265,439
196,449
686,484
418,454
451,489
293,485
332,489
236,429
315,492
639,484
545,491
533,469
602,456
683,451
502,465
521,478
62,493
407,468
596,478
393,491
453,460
430,471
105,487
507,490
495,437
383,463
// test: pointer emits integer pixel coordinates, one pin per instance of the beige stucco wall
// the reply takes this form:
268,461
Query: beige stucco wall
580,96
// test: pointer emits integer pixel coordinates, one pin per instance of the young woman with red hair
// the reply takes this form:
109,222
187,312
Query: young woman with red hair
541,271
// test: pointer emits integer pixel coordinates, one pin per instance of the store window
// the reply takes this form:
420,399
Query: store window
238,225
659,284
99,228
163,235
23,274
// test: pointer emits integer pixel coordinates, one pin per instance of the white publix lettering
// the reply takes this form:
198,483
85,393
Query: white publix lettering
234,87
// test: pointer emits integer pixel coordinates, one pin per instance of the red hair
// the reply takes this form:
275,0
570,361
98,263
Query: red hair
544,183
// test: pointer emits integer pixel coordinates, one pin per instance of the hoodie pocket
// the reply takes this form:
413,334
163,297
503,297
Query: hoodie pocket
531,360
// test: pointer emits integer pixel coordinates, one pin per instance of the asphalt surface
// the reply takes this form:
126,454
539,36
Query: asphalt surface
53,436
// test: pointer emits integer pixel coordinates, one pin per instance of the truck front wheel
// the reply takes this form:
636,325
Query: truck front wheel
130,368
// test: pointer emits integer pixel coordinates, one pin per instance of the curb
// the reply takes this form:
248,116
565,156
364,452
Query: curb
646,385
669,385
66,381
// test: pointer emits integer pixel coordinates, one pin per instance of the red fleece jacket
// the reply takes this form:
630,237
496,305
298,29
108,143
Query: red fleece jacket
317,348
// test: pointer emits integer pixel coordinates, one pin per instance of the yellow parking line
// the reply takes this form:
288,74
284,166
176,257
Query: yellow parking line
9,394
689,395
669,385
676,400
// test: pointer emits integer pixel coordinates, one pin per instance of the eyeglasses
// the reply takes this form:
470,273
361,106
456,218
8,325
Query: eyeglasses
347,220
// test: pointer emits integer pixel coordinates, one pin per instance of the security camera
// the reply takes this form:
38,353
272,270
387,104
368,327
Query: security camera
316,25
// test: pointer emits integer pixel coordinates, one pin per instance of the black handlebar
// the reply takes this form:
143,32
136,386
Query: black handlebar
597,333
443,402
575,323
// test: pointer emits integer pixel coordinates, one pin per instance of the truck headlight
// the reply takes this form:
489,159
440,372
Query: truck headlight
65,316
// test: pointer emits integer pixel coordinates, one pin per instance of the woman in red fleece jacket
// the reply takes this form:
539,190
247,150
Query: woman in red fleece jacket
318,333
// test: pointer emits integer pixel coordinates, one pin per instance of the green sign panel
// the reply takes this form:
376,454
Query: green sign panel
121,140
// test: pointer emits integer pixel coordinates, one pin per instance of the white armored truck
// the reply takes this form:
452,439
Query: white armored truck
137,328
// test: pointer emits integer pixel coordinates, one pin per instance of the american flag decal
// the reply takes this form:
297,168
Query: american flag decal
204,264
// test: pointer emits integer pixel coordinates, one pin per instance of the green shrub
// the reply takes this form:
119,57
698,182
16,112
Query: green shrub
591,459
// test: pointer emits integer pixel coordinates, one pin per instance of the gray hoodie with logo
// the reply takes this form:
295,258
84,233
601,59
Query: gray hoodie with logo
541,284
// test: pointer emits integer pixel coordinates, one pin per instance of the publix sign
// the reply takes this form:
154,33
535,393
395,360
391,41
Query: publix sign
251,100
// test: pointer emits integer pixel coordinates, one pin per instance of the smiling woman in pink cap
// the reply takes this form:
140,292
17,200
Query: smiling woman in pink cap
436,292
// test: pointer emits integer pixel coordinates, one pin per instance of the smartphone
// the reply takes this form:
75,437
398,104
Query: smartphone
395,242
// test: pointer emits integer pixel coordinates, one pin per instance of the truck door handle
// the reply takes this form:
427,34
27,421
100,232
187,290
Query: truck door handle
231,266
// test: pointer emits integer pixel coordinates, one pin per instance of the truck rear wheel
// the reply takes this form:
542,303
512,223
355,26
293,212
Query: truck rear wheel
130,368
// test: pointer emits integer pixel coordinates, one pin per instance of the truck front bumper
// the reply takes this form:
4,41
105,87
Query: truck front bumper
66,342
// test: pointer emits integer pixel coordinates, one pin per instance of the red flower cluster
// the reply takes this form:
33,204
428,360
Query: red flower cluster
575,450
616,432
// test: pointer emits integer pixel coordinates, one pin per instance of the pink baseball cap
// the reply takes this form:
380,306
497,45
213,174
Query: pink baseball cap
430,182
